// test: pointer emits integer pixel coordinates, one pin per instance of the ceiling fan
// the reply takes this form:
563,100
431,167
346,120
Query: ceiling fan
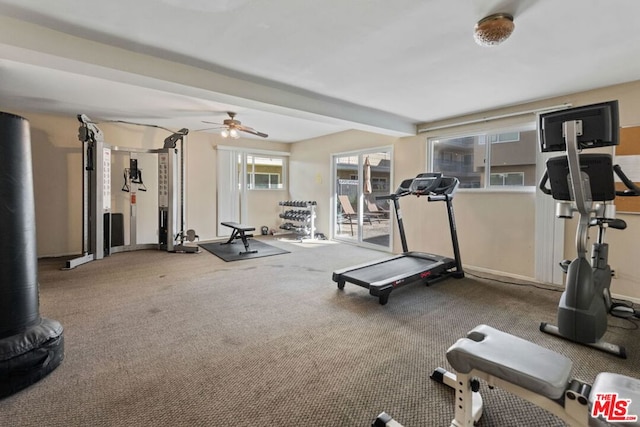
231,127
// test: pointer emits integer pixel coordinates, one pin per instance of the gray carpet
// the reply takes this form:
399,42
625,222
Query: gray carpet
161,339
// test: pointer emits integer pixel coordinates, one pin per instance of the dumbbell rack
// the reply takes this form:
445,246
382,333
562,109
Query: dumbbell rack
299,216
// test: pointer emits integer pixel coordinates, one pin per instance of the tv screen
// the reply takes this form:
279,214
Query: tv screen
600,126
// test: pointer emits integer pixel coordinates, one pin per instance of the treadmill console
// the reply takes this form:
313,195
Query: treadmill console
425,183
404,188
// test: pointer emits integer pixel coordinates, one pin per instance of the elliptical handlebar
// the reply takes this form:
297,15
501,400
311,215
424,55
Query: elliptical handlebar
543,183
633,189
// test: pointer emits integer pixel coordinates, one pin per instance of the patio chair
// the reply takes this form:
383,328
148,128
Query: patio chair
348,212
374,211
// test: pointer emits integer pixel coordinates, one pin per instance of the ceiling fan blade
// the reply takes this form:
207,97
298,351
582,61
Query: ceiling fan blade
252,131
232,123
207,129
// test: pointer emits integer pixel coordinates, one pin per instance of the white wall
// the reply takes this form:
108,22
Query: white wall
496,230
310,166
623,244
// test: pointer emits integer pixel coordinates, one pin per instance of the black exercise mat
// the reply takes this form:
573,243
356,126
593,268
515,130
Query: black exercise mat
231,251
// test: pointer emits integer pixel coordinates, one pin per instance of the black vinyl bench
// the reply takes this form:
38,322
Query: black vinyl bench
239,232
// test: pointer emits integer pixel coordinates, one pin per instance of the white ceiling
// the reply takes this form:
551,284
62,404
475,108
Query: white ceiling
297,69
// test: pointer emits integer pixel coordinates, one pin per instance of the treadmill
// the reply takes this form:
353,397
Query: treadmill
383,276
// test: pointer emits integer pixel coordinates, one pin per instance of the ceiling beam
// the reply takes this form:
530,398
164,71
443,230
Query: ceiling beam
25,42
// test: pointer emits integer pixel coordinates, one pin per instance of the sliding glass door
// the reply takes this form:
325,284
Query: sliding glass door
358,216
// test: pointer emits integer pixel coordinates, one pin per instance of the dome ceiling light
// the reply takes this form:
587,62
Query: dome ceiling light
493,29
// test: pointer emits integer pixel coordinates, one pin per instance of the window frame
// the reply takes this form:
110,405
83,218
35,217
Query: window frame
251,172
269,183
243,153
497,134
486,132
520,174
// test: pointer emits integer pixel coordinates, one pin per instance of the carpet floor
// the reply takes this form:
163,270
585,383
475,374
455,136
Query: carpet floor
162,339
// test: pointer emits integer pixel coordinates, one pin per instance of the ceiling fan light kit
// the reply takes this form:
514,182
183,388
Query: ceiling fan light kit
231,128
493,29
229,133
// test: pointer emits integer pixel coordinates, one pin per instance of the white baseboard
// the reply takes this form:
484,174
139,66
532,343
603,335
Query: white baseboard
531,279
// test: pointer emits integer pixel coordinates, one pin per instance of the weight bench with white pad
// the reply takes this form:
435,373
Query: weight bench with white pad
531,372
239,232
511,359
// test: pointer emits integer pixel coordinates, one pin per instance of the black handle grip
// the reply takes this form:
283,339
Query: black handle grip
634,190
543,183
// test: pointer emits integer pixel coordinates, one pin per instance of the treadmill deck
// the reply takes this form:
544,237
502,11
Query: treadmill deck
395,271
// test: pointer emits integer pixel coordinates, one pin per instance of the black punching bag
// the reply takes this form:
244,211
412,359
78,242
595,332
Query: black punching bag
18,259
30,346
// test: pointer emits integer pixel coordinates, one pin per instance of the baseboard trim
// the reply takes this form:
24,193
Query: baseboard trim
533,280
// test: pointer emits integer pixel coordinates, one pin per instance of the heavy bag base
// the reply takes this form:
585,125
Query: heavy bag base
28,357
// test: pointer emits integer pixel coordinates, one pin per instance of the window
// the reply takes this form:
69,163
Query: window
511,178
265,173
380,184
266,180
455,157
503,137
511,154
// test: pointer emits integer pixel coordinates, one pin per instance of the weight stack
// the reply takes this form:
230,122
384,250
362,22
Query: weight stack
30,346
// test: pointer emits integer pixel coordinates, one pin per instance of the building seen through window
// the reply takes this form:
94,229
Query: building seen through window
512,159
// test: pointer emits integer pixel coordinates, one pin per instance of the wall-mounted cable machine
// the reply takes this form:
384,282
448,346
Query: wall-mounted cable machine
171,196
102,228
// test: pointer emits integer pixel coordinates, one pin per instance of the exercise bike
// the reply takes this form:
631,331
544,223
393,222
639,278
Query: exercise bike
584,183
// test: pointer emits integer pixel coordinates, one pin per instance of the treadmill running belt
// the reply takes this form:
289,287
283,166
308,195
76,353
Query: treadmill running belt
400,266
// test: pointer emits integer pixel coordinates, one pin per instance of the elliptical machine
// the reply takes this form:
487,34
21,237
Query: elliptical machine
584,183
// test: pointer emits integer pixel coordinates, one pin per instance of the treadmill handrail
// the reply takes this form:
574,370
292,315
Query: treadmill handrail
392,196
438,197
